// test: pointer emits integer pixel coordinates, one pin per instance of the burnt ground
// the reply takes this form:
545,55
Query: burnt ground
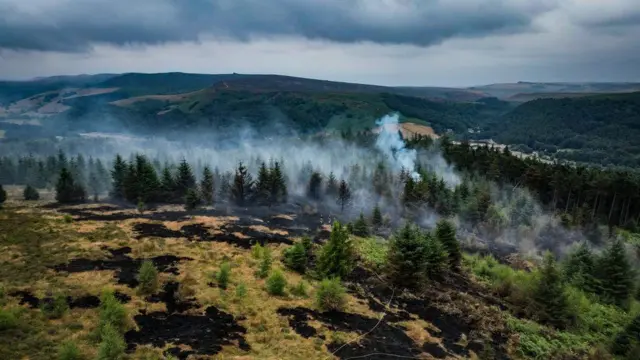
82,302
205,334
198,232
126,268
386,341
169,297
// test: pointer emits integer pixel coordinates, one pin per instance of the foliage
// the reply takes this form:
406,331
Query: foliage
224,275
207,186
265,263
8,319
3,195
330,295
336,256
300,289
112,346
148,278
550,296
241,291
446,235
67,191
69,351
55,308
112,313
376,217
615,274
192,200
360,227
295,257
242,188
373,252
276,283
344,195
314,190
407,257
30,193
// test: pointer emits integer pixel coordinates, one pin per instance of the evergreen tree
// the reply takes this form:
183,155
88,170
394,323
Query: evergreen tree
360,227
242,187
263,185
579,268
207,186
30,193
131,183
148,185
314,190
184,180
344,195
615,274
3,195
167,183
437,257
192,200
446,234
295,257
336,256
407,257
278,193
67,191
332,186
118,176
376,218
552,304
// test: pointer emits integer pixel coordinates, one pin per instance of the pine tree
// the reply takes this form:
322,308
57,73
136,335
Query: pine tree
148,185
278,191
314,189
263,185
118,176
295,257
579,268
332,186
615,274
437,257
131,183
3,195
376,218
184,180
344,195
207,186
192,200
360,227
446,234
336,256
242,188
407,257
67,191
168,183
30,193
552,304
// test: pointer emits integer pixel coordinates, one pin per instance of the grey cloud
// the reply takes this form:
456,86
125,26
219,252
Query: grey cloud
76,25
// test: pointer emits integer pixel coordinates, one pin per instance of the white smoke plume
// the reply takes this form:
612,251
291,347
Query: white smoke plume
390,143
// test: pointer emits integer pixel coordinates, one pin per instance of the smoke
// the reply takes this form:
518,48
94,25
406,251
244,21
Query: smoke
390,143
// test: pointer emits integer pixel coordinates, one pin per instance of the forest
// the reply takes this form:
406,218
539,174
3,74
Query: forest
446,209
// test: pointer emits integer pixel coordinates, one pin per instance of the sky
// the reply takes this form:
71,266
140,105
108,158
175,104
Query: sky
386,42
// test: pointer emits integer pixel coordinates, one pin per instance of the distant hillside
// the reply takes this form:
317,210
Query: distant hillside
602,129
509,90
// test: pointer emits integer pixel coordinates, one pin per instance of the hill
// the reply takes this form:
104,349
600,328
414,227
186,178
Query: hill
508,90
602,129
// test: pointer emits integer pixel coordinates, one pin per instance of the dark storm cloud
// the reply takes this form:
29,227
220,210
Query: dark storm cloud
75,25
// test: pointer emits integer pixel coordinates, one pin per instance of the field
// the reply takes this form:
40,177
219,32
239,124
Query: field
76,252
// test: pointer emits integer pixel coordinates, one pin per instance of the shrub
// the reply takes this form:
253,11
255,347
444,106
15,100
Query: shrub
265,263
112,312
360,227
330,295
8,319
69,351
276,283
446,235
224,275
307,244
336,256
30,193
112,346
407,256
241,291
256,251
148,278
295,258
550,296
68,219
300,289
55,308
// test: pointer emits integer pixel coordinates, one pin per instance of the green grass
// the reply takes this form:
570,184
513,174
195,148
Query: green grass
372,251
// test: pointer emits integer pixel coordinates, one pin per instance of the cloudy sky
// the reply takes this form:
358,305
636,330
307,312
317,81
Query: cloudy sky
390,42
